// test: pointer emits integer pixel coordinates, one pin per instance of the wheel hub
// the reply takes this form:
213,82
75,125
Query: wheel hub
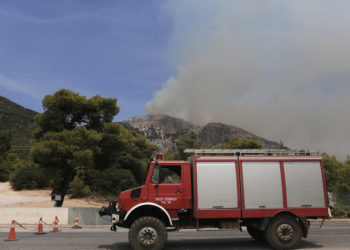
147,235
285,232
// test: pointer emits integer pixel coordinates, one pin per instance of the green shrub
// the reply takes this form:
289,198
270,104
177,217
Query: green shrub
8,164
28,176
78,189
347,212
111,181
338,212
5,170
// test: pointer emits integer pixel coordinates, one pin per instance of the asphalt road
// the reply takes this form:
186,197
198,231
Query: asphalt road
333,235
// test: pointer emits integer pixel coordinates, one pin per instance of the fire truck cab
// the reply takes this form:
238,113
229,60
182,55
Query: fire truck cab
273,193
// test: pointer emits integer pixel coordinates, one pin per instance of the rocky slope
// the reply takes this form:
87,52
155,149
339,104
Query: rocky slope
161,130
164,130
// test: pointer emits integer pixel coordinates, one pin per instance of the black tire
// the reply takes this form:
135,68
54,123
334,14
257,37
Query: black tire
257,234
284,232
148,233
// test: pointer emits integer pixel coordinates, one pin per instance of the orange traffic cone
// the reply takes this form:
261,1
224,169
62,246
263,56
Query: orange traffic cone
40,227
55,227
12,235
76,222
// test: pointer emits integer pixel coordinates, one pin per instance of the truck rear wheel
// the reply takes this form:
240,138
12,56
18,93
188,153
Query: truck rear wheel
284,232
257,234
147,233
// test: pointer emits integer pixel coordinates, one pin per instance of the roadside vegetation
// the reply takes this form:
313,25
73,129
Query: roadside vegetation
78,150
338,183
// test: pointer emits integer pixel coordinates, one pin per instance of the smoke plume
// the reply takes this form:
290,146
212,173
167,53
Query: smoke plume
279,69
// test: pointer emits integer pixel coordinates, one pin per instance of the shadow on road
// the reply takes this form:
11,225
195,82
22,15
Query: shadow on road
211,244
119,246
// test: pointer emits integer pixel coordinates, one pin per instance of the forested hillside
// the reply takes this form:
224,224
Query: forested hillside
17,118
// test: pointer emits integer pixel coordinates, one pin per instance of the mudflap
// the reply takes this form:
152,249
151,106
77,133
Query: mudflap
305,223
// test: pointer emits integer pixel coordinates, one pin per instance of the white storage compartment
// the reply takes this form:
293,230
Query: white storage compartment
262,185
304,184
217,185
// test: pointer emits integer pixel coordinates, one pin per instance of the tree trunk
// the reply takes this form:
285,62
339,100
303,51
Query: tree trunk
62,189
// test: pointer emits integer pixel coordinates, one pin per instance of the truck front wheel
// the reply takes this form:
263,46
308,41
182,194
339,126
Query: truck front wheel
284,232
147,233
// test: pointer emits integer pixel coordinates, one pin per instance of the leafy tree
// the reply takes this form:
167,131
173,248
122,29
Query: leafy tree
5,141
136,156
236,143
5,146
122,160
76,140
68,110
185,142
113,142
331,167
338,178
342,185
67,153
124,148
78,188
66,134
111,181
171,156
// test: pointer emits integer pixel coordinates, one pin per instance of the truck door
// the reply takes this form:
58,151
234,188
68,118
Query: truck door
166,187
216,188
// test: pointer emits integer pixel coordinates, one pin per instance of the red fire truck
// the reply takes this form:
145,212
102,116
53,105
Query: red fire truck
273,193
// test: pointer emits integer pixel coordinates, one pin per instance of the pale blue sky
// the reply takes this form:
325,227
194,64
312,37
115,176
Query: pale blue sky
112,48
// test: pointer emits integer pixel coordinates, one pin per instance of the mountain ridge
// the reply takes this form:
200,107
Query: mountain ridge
159,129
164,130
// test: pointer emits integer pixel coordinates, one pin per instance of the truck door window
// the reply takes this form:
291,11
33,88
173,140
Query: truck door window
166,175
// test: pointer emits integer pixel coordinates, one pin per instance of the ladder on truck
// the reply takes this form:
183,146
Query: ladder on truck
272,152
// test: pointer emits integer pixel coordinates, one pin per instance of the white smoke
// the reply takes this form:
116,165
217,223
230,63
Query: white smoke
280,69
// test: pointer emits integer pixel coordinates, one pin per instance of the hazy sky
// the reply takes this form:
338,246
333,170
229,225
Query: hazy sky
279,69
112,48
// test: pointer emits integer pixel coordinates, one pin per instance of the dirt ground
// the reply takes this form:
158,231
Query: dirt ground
38,198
